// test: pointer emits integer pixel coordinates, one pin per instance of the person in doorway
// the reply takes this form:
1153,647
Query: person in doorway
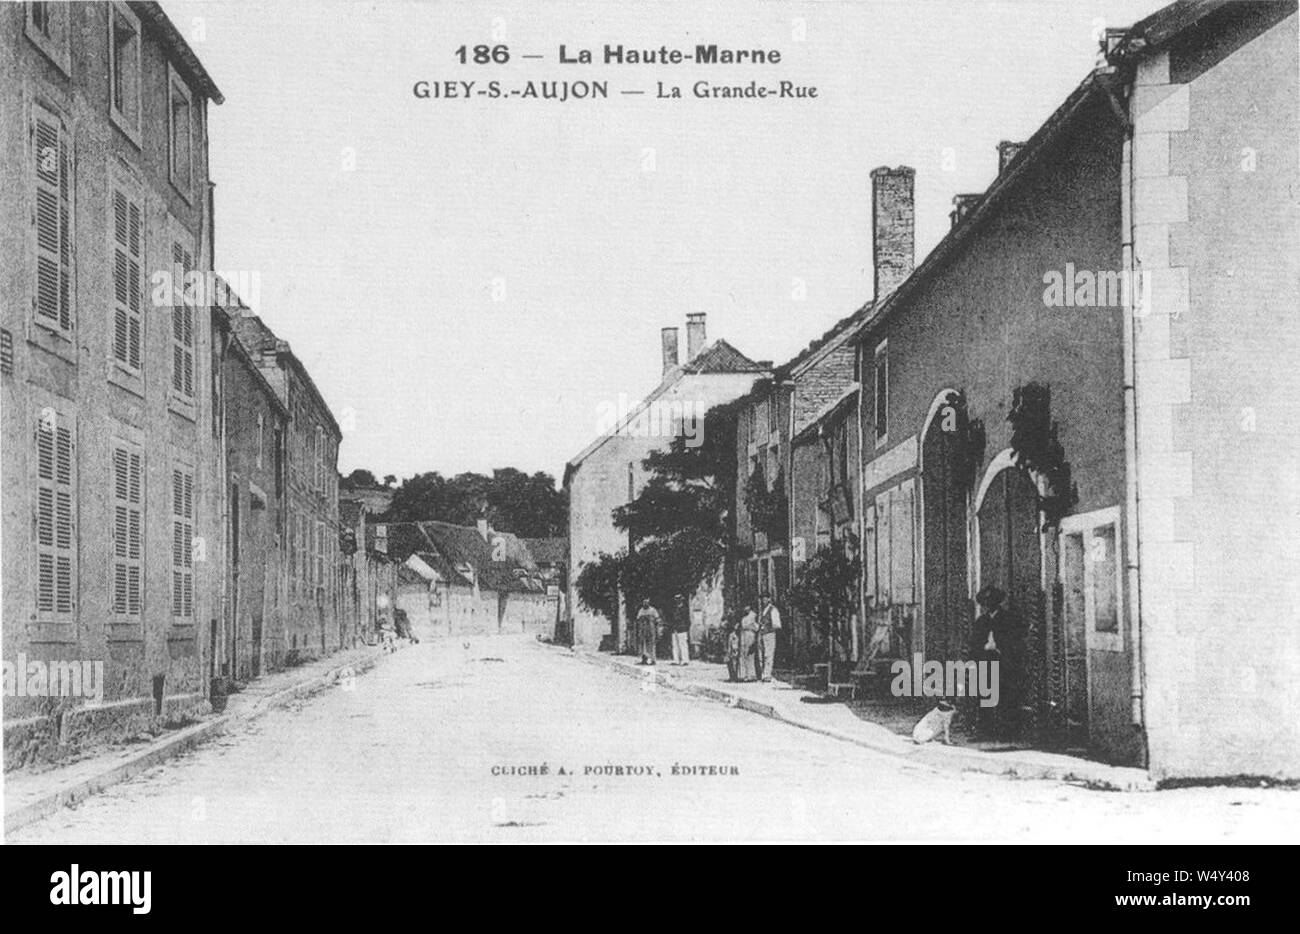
647,632
747,660
997,637
681,627
769,624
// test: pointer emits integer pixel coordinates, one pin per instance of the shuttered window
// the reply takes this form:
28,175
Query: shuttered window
53,292
128,529
128,248
182,324
182,544
894,545
56,537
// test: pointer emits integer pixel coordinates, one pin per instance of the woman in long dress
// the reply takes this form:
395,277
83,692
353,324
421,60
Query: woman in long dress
733,647
747,663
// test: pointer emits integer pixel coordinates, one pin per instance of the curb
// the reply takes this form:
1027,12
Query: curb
1094,775
172,746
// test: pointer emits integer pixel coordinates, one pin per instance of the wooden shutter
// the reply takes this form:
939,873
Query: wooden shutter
54,515
128,522
53,294
902,551
182,544
182,324
884,563
127,264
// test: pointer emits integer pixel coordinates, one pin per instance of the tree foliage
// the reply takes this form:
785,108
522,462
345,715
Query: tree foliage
826,591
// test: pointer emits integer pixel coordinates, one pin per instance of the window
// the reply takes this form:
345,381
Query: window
47,27
761,421
773,415
124,69
773,465
1091,578
893,544
261,433
182,545
882,393
128,525
319,448
180,133
128,250
53,165
182,324
55,490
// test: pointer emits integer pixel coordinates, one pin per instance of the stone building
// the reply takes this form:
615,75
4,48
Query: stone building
367,577
792,437
111,494
1058,399
608,473
251,636
313,624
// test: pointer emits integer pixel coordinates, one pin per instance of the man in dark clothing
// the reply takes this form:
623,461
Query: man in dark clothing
681,629
998,636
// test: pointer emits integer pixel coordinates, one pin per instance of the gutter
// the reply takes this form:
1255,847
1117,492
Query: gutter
1132,497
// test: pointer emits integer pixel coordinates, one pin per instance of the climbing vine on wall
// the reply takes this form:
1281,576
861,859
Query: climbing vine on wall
1036,450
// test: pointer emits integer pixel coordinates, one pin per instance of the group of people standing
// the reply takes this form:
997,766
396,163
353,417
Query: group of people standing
751,637
751,641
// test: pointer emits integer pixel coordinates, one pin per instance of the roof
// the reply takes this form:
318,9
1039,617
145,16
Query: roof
847,399
718,357
254,333
503,563
1163,26
548,550
820,347
223,319
171,37
1099,81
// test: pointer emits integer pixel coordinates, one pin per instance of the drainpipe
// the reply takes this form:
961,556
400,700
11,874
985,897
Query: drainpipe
1132,538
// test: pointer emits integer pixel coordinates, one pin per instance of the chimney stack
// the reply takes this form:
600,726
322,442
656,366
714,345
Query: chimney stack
961,206
668,337
1007,151
694,335
893,215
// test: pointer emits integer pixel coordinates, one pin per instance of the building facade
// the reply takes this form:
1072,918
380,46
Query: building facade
609,473
111,502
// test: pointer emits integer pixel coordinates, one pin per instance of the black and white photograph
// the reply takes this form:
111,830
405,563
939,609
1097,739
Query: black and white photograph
829,421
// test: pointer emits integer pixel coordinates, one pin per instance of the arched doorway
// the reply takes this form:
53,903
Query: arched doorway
1010,557
947,611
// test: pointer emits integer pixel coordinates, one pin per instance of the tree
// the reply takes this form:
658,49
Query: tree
677,525
389,480
359,479
826,591
768,507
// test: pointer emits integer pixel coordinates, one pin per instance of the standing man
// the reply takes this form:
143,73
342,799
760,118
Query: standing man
681,625
647,631
998,636
769,623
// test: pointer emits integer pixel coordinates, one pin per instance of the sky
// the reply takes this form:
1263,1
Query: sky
473,282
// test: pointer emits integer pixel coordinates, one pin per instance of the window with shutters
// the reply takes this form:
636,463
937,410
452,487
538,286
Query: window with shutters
126,579
180,133
320,554
182,544
894,545
55,517
261,438
47,27
51,150
124,69
128,264
182,324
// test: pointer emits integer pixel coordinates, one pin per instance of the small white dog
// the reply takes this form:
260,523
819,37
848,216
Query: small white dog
935,722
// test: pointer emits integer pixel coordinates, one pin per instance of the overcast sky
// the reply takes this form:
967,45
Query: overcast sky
468,281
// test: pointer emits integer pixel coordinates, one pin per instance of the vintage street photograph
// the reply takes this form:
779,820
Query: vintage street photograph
828,421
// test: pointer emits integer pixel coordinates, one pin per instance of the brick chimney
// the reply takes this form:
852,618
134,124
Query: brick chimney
668,338
961,206
694,335
1007,151
893,215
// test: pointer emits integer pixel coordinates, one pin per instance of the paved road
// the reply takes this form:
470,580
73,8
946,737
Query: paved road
407,754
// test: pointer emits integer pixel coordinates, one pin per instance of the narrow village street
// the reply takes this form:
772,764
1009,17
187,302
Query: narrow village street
407,753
